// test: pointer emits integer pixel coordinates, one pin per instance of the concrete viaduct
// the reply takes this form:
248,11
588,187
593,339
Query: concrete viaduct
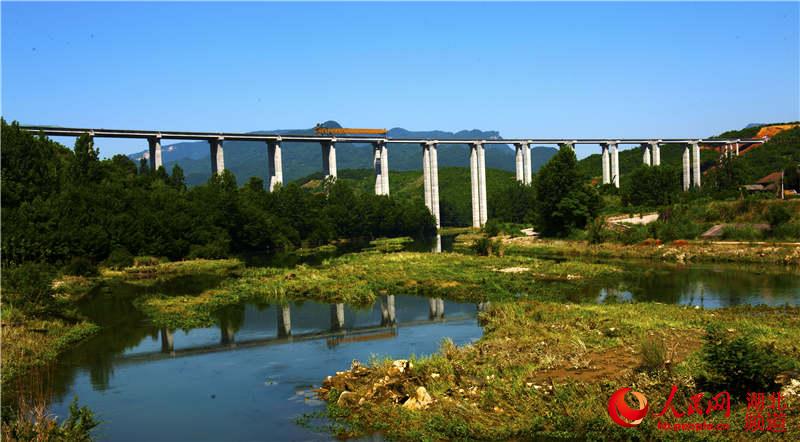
651,155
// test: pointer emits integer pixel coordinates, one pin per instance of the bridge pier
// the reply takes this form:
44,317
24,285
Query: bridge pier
437,244
329,158
606,164
656,152
284,321
686,168
380,161
155,153
388,312
520,162
478,174
526,164
614,164
217,156
337,317
430,172
167,340
696,164
275,164
646,154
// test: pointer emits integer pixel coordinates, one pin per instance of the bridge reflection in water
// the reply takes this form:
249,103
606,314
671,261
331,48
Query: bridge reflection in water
252,326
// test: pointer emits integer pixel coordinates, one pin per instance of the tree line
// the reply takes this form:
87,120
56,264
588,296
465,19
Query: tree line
60,203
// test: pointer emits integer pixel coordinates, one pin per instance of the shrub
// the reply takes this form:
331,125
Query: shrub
119,258
635,234
80,266
788,231
34,423
482,246
744,233
737,365
777,215
487,247
491,228
654,354
213,250
596,231
29,287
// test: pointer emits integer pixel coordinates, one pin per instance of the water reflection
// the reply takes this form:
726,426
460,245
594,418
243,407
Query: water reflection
708,286
243,369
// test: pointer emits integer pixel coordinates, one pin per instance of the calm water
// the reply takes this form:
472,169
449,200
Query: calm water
250,376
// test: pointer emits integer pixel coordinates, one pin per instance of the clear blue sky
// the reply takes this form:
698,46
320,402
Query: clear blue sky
527,70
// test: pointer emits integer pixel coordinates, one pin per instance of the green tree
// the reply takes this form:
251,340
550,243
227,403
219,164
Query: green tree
652,186
564,201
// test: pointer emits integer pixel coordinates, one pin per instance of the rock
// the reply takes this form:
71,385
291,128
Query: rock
347,398
420,401
399,367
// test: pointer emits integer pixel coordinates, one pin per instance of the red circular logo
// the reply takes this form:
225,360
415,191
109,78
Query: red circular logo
621,413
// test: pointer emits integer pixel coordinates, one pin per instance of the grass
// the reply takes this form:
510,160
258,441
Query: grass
30,343
676,251
546,370
359,278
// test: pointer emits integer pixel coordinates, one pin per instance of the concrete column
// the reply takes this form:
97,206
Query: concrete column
646,154
426,176
329,158
736,146
385,168
475,188
388,314
606,164
656,151
434,171
155,153
696,164
437,244
337,317
614,164
284,321
378,167
167,341
482,182
520,163
686,168
217,156
570,146
275,164
526,163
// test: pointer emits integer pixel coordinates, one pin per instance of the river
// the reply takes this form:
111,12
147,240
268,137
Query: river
251,376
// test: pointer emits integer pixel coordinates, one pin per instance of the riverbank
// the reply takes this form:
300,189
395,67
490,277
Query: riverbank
676,251
547,370
31,343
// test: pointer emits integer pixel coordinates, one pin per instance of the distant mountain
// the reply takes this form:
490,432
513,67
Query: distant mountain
247,158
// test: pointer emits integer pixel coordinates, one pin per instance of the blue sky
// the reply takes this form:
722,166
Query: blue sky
524,69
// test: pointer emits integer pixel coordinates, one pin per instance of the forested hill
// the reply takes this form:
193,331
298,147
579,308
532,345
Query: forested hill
246,159
780,152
